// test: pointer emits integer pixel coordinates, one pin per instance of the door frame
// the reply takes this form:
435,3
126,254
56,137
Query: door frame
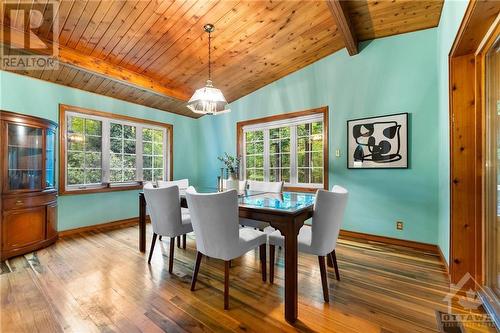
477,32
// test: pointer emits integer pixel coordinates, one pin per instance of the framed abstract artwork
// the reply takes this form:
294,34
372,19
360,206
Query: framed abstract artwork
378,142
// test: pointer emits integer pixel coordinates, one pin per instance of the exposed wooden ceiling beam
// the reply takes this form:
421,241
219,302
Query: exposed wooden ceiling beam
93,65
341,15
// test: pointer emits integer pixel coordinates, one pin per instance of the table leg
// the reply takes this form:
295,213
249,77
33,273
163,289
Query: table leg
291,261
142,223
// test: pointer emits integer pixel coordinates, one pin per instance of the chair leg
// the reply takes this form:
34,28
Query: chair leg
159,238
199,255
171,256
324,279
335,265
184,241
179,242
226,284
329,261
263,263
272,249
152,247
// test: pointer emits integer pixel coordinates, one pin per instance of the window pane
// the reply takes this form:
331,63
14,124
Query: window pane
158,149
84,151
317,176
147,174
129,175
129,132
129,146
129,161
93,176
116,130
147,162
93,127
317,159
317,128
285,175
122,155
157,136
274,133
147,148
285,160
158,162
116,145
317,143
302,144
75,159
93,160
147,134
274,160
274,175
115,161
259,161
75,176
76,125
116,176
93,143
158,174
303,130
303,175
250,160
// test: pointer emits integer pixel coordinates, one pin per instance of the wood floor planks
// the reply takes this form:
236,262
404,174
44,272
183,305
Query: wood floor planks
100,282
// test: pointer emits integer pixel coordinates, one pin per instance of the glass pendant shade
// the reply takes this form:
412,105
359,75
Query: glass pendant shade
208,100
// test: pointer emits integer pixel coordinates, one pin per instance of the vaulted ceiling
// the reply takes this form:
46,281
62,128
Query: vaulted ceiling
154,53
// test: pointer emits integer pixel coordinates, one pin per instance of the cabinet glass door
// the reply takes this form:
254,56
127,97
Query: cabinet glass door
25,151
49,158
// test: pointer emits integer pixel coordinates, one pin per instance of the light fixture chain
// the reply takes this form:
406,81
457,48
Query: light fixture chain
209,58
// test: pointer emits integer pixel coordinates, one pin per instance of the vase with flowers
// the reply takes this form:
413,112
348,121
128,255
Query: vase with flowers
232,165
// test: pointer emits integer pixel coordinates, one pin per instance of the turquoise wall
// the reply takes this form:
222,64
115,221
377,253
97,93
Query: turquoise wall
452,14
23,94
390,75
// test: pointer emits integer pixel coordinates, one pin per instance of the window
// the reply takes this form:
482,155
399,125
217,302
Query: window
103,152
292,148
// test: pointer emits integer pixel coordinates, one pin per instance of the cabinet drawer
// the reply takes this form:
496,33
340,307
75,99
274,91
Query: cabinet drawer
28,201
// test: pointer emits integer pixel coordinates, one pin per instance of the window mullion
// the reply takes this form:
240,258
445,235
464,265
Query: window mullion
266,155
293,155
105,151
243,168
138,153
166,163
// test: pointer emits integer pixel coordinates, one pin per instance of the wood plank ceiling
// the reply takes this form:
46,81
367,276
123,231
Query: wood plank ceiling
254,44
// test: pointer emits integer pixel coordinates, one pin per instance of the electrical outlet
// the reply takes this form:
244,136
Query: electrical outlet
337,153
399,225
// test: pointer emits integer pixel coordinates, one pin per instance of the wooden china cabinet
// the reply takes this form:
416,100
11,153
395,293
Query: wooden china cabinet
29,195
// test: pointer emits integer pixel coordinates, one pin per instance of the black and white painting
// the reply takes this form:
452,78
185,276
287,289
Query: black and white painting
378,142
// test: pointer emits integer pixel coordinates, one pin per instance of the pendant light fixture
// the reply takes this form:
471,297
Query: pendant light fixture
208,100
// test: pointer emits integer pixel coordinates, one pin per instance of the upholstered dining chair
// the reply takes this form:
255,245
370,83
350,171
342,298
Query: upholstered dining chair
319,239
270,187
166,216
218,235
183,184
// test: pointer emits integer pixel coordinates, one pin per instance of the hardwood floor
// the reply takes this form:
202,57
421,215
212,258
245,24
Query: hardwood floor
100,282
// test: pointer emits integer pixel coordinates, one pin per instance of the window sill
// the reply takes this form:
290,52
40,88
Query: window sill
104,188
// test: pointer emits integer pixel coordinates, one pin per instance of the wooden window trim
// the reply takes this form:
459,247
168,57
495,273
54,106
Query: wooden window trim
63,109
321,110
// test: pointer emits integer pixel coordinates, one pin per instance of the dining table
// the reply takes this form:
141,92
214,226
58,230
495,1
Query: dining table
286,212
